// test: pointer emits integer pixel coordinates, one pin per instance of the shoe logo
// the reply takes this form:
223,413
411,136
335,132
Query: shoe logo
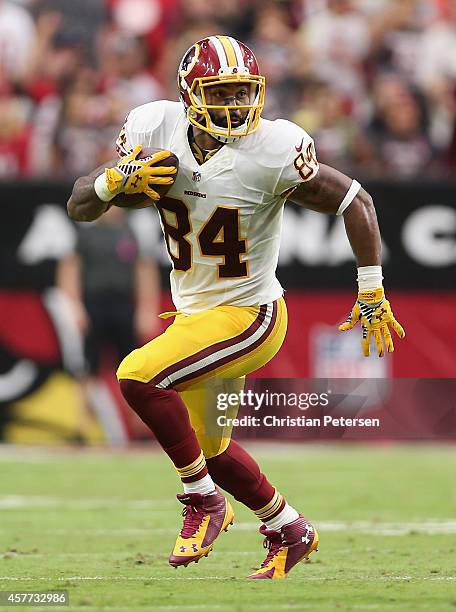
305,538
194,548
299,149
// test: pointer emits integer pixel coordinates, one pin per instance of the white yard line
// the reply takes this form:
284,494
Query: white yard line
428,526
125,554
23,454
17,502
370,578
380,529
300,606
32,502
26,454
70,607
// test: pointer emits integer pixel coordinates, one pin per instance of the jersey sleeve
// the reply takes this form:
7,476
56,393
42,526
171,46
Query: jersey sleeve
123,146
144,125
296,158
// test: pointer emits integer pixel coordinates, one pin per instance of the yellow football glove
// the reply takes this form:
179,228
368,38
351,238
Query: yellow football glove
374,313
131,175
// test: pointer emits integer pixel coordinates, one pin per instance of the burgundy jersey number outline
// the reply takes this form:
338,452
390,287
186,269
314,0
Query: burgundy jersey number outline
219,237
306,163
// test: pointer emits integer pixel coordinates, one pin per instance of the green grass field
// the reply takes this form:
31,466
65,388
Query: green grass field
101,525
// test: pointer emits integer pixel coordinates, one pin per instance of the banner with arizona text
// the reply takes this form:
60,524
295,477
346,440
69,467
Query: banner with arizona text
417,221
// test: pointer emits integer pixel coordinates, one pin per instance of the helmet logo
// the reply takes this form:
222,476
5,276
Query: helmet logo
189,60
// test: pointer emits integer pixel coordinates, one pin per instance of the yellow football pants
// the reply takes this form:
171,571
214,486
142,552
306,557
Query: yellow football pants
206,353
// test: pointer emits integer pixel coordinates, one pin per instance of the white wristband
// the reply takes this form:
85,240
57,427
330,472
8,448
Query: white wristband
370,278
101,189
349,197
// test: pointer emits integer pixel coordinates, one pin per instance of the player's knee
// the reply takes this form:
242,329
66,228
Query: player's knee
143,398
213,446
133,366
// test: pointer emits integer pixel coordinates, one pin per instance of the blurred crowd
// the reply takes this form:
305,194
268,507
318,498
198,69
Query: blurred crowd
373,81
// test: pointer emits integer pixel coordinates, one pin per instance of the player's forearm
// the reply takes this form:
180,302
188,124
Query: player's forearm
362,230
84,204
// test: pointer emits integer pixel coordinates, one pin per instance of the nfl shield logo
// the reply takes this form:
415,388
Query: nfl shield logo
196,176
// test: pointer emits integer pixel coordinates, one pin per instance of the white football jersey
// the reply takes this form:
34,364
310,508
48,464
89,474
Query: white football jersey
222,219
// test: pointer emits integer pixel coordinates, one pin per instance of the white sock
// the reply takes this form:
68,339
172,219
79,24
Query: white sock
285,516
203,485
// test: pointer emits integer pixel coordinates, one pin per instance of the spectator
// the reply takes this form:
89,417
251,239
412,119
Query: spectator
325,113
401,147
152,20
395,35
338,41
17,32
57,56
87,121
436,73
14,138
81,20
53,73
127,80
275,45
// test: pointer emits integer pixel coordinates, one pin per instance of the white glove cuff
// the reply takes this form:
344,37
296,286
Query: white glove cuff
370,278
101,188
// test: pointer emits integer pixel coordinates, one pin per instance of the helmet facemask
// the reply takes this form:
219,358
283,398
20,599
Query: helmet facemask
202,114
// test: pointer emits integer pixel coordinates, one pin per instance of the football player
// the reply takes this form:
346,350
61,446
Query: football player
221,221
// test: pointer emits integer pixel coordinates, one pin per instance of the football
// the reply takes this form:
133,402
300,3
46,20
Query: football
140,200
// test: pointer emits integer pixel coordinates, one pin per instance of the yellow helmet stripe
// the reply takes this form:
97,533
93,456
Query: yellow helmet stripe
220,51
229,51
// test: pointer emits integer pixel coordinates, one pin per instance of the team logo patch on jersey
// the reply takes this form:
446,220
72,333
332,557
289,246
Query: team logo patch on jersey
196,176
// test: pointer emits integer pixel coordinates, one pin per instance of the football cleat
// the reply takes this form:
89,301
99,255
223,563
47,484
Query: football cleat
286,548
205,517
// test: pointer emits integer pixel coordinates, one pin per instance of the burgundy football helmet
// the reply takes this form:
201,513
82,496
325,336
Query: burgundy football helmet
220,60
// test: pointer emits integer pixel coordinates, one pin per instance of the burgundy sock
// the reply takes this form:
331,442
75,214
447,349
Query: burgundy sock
238,473
166,415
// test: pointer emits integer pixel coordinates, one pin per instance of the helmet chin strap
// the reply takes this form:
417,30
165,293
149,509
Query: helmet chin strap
225,139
